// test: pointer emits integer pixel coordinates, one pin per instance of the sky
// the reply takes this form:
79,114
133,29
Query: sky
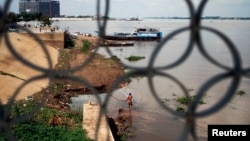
149,8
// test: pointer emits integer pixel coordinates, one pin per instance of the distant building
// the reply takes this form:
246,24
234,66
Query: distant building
49,8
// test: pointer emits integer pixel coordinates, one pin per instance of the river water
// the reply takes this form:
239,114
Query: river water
150,120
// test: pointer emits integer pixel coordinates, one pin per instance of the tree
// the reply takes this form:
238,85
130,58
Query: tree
30,16
11,18
45,21
37,16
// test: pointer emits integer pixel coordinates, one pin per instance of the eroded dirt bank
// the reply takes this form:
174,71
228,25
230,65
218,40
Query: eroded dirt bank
99,72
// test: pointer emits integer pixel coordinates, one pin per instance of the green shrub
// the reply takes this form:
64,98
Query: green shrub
86,46
114,57
135,58
241,92
180,109
37,127
184,100
41,132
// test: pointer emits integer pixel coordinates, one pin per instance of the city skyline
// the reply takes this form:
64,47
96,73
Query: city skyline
46,7
149,8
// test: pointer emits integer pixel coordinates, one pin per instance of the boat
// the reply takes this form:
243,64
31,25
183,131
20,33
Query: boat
146,34
118,44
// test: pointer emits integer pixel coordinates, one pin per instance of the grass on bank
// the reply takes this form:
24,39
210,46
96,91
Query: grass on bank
135,58
86,46
240,92
37,127
114,57
181,102
185,100
35,131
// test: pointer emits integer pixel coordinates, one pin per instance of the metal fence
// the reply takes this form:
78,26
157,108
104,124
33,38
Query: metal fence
236,72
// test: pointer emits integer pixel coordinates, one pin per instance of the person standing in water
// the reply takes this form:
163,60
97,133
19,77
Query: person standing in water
129,101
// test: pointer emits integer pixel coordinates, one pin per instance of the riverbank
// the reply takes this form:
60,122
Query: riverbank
99,72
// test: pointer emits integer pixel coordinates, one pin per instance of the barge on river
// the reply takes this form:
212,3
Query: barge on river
145,34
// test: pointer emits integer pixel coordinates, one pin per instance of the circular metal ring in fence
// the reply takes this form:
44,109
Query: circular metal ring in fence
234,52
164,41
155,73
224,100
151,71
86,61
234,72
102,26
19,115
96,95
3,16
33,65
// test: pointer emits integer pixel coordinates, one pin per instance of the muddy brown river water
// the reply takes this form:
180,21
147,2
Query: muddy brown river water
151,121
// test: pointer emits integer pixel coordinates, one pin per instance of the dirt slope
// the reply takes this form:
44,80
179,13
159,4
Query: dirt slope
14,73
100,72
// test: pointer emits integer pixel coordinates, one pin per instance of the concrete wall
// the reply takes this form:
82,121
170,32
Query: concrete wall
90,121
52,39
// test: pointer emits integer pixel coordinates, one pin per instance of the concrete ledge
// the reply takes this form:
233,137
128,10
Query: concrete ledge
52,39
90,121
